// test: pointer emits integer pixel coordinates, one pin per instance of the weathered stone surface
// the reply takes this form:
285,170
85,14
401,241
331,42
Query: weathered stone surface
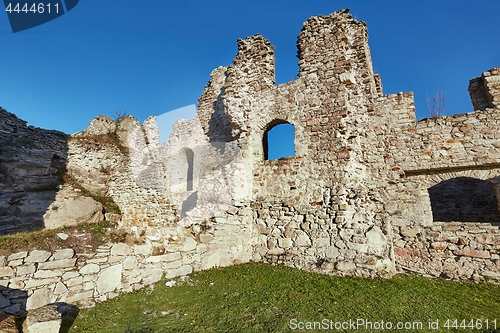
89,269
345,266
109,279
189,244
19,255
8,324
376,237
6,271
38,256
183,270
34,283
62,263
43,274
63,254
25,269
46,319
40,297
130,263
164,257
60,288
470,252
143,249
120,249
151,274
72,210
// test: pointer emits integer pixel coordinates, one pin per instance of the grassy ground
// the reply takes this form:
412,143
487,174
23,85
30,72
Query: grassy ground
261,298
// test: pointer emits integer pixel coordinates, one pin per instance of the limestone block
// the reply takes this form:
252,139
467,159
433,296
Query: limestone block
72,210
25,269
74,281
76,296
43,274
302,239
64,254
69,275
206,238
164,257
332,253
109,279
376,237
171,264
470,252
60,288
490,274
63,263
183,270
19,255
189,244
144,249
62,235
410,232
129,263
276,251
210,260
15,263
37,256
40,297
17,283
6,271
285,242
34,283
43,320
151,274
345,266
120,249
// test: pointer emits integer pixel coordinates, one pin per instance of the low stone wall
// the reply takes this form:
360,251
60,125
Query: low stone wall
64,276
29,280
453,250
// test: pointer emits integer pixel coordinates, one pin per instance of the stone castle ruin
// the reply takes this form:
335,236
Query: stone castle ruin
370,192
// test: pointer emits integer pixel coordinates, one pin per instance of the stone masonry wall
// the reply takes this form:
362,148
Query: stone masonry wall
364,195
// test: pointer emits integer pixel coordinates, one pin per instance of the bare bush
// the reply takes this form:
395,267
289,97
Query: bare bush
436,109
118,114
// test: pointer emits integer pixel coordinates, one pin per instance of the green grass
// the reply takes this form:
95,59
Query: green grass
261,298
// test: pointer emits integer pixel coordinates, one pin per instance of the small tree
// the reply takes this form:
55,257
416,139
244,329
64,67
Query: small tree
436,109
118,114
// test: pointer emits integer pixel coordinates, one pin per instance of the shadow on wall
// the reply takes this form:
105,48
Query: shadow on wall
32,164
464,199
16,308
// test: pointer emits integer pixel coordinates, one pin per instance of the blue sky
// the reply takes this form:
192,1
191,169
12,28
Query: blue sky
148,57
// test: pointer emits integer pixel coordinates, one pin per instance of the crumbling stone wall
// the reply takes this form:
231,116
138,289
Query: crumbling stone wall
356,195
358,198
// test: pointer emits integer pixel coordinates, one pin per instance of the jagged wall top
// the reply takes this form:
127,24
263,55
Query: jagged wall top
336,45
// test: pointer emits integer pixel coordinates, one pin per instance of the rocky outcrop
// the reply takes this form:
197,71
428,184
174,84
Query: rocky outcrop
32,163
70,208
33,169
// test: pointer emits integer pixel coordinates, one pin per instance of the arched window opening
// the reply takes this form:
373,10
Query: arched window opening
278,141
190,164
464,199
